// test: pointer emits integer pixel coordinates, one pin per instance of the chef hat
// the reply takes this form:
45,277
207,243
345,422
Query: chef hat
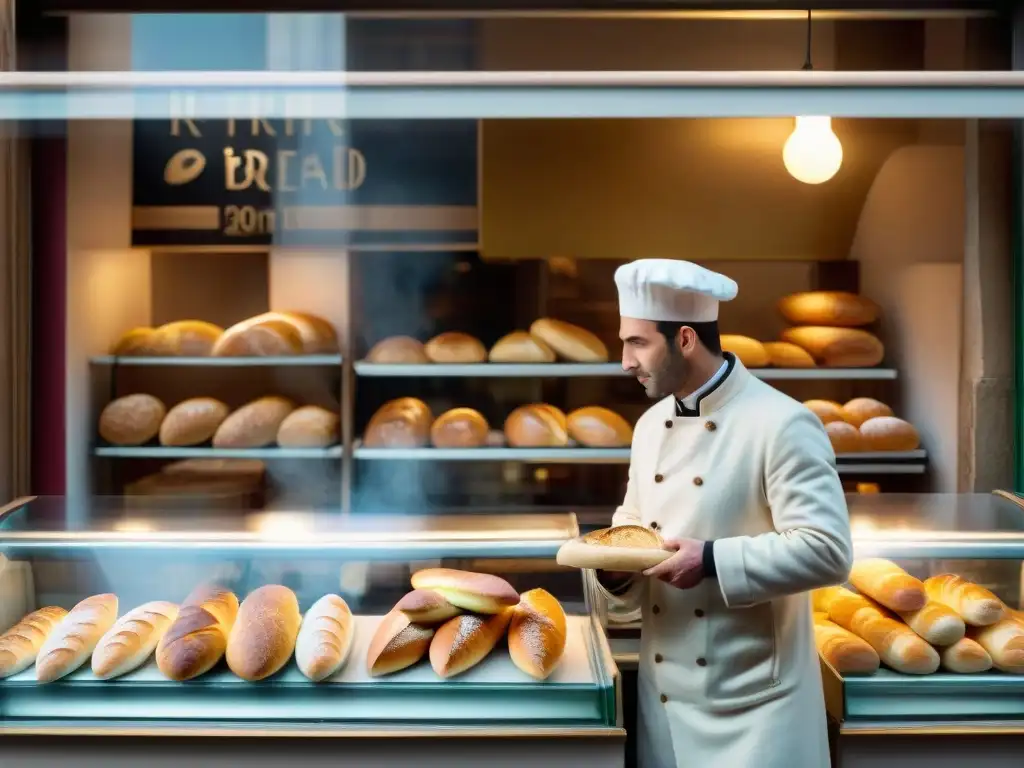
674,291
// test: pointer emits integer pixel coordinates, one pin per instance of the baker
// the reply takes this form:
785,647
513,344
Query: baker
741,481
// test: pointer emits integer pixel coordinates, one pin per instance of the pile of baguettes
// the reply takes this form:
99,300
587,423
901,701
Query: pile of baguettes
864,424
547,341
915,627
270,334
457,618
139,418
408,422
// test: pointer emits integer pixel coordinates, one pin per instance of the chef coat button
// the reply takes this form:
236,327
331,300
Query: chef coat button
710,426
664,698
668,424
658,658
698,613
658,478
702,662
654,525
655,609
696,481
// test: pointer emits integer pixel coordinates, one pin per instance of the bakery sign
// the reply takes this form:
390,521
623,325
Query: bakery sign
331,183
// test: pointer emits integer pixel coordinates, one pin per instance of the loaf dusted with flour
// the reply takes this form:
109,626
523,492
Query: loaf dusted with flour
537,634
887,583
73,640
975,604
198,637
132,419
476,592
325,638
466,640
20,644
263,636
397,644
132,640
847,653
193,421
254,425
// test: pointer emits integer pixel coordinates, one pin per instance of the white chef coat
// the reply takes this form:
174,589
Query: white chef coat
728,670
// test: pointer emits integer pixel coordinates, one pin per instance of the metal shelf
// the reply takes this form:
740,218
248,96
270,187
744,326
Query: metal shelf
220,362
206,452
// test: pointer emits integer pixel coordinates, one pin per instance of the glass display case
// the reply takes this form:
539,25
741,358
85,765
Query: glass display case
55,553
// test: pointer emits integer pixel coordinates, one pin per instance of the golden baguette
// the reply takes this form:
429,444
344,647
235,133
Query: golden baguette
966,657
886,583
936,622
20,644
1004,642
975,604
843,650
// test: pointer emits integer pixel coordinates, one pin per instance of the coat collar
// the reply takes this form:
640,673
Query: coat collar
734,380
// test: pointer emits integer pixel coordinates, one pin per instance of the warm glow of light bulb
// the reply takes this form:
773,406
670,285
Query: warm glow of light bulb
812,153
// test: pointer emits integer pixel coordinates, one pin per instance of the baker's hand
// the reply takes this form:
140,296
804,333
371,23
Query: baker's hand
685,568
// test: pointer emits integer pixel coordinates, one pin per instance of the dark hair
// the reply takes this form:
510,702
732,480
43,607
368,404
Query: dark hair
707,333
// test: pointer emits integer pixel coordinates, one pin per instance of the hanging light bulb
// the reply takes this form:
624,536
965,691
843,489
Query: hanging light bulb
812,153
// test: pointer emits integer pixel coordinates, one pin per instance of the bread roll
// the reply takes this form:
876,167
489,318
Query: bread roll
131,420
837,347
975,604
782,354
521,347
455,347
843,650
570,342
184,338
868,488
887,433
193,421
325,638
401,423
860,409
137,341
459,428
20,644
265,335
887,583
263,637
317,335
844,437
477,592
198,637
838,308
596,427
464,641
537,426
72,641
966,657
422,606
309,427
398,350
895,643
132,640
937,623
750,352
536,634
254,425
826,410
397,644
1004,642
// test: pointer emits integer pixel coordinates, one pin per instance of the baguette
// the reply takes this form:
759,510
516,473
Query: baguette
887,583
263,636
476,592
397,644
422,606
465,641
72,641
975,604
937,623
198,637
132,639
1004,642
847,653
20,644
966,657
537,633
325,638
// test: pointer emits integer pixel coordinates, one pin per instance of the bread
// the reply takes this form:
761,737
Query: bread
887,433
536,634
459,428
631,548
868,488
844,651
132,640
570,342
826,410
895,643
845,438
860,409
309,427
477,592
782,354
198,637
537,426
838,308
131,420
135,342
837,347
254,425
887,583
265,335
937,623
976,605
20,644
401,423
521,347
397,644
966,657
464,641
624,536
318,337
325,638
1004,642
749,351
184,338
398,350
263,637
455,347
596,427
422,606
193,421
71,642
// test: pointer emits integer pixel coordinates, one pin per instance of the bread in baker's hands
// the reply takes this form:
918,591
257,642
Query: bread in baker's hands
73,640
477,592
398,643
627,548
263,636
466,640
20,644
976,605
423,606
198,637
537,633
401,423
596,427
133,638
325,638
885,582
521,347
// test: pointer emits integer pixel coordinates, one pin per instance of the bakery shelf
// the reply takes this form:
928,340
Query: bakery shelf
205,452
281,361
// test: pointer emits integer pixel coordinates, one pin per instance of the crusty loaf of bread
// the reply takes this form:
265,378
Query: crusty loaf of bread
570,342
263,636
423,606
464,641
254,425
887,433
860,409
1004,641
537,633
750,352
887,583
459,428
193,421
132,419
596,427
317,335
521,347
476,592
537,426
397,644
401,423
455,347
265,335
631,548
937,623
837,347
782,354
826,410
198,637
837,308
625,536
133,343
20,644
845,438
847,653
975,604
325,638
72,641
184,338
309,427
398,350
132,640
965,656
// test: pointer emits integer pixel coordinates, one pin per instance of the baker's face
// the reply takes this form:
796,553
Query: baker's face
657,364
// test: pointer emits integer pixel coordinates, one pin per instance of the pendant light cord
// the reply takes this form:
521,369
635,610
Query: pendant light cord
807,60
